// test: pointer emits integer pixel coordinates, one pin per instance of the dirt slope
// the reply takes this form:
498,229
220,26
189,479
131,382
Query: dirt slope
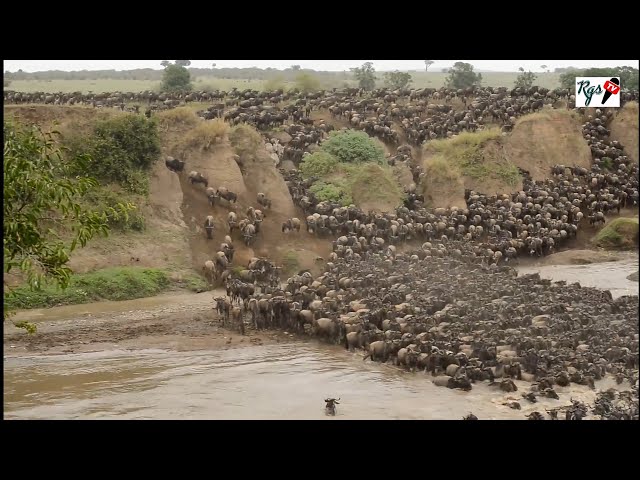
538,142
543,139
218,165
624,128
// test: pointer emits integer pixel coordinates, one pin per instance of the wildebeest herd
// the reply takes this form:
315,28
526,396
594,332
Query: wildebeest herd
450,307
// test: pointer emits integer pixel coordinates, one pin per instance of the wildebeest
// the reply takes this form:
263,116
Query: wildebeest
195,177
209,226
263,200
211,195
227,195
174,164
291,224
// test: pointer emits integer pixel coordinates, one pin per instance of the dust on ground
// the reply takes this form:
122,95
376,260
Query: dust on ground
176,322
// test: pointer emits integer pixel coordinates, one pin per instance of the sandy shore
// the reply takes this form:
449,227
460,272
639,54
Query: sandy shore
173,322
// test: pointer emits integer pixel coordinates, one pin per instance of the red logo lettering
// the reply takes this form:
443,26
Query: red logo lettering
611,87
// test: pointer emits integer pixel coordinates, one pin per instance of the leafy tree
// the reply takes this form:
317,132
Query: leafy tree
427,64
463,76
165,63
353,146
397,79
568,78
176,78
365,75
544,67
44,218
306,82
183,63
628,76
213,65
525,79
295,68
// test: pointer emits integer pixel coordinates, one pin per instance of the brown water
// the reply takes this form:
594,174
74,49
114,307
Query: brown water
286,381
610,276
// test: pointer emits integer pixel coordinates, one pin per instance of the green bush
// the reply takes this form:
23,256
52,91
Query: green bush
105,199
318,164
118,283
620,233
351,146
336,191
121,149
290,263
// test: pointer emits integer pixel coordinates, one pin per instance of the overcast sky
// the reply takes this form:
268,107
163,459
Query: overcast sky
325,65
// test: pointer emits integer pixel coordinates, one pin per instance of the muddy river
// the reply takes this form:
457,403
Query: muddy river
610,276
283,381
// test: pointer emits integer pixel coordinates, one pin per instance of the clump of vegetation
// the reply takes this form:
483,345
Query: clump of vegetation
106,198
525,79
237,269
176,77
120,149
607,163
366,76
621,233
439,170
352,146
208,133
397,79
118,283
372,183
44,216
246,141
318,164
290,263
337,190
350,167
465,153
463,76
181,117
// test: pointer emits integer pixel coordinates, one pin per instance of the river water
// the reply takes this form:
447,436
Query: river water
610,276
284,381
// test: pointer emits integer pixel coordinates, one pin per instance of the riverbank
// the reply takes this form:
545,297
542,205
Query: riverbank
187,321
180,322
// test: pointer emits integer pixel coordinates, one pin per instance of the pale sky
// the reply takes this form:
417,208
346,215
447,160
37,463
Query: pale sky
320,65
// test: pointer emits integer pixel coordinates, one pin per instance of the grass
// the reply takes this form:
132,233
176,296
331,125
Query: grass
108,196
208,133
371,183
246,141
117,283
420,80
177,117
290,263
621,233
465,155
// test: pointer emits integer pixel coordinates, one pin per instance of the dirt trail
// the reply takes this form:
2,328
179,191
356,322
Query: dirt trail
218,165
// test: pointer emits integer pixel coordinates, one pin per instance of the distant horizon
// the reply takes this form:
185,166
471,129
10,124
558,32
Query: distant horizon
489,66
